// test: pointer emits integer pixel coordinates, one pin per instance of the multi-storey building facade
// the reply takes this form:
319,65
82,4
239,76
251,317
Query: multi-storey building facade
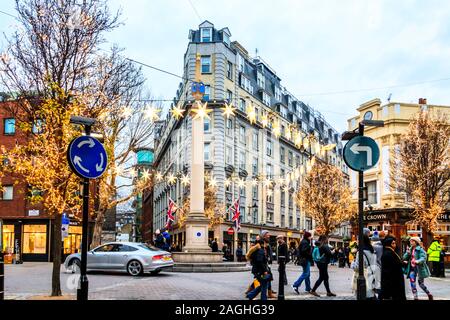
236,148
386,209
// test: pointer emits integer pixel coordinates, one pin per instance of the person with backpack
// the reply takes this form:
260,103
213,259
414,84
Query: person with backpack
260,270
305,259
415,259
322,255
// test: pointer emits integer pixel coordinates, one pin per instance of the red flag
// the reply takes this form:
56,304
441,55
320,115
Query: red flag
170,212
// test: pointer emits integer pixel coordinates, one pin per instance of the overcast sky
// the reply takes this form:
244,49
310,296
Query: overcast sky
314,46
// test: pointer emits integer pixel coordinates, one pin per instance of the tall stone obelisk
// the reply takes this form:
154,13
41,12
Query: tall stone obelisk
197,248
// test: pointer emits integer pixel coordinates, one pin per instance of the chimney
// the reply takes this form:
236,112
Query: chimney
422,101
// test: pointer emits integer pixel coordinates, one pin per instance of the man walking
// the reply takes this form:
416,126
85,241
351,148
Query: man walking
305,259
265,235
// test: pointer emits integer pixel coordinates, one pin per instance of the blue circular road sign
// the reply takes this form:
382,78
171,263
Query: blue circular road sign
87,157
361,153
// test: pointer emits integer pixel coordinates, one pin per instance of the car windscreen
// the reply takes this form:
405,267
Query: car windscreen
148,247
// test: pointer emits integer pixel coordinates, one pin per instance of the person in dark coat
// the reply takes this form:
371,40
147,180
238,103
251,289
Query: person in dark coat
214,246
322,264
260,270
392,279
305,259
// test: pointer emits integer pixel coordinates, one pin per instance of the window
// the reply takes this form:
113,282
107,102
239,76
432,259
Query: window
283,111
229,127
283,198
242,134
9,126
206,124
8,238
228,189
8,193
297,161
207,151
266,99
291,202
226,38
207,93
270,197
283,219
269,171
206,34
255,166
37,126
261,80
230,96
270,216
385,111
371,192
397,108
308,224
282,154
35,239
230,70
290,158
255,141
241,63
242,105
229,155
242,194
206,64
269,147
242,160
255,192
277,93
291,222
298,223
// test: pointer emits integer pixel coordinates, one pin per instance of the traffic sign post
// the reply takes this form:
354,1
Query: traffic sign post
360,154
88,159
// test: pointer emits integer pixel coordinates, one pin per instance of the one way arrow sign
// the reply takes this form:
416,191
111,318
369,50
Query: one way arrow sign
361,153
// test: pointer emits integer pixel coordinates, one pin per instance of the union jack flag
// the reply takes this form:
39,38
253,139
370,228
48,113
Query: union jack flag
236,216
170,212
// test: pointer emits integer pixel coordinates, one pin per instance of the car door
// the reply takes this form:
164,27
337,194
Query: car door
98,258
120,256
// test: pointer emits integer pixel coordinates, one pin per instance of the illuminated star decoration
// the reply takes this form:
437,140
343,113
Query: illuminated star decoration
280,181
159,176
288,133
177,113
152,114
285,188
145,175
227,183
267,182
264,121
185,180
212,182
171,179
254,182
251,113
241,183
276,129
228,110
201,111
297,139
126,112
269,192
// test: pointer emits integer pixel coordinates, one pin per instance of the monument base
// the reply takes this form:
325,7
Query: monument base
197,257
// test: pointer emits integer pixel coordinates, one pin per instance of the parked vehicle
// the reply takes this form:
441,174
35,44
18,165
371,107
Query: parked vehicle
134,258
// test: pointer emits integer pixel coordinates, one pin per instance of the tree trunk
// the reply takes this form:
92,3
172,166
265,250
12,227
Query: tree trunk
427,238
98,229
57,245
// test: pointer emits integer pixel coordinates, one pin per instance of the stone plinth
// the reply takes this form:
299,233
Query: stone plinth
211,267
197,257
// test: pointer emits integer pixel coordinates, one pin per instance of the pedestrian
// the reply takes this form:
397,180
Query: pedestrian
256,245
304,259
378,248
282,256
239,253
392,278
214,245
434,256
322,256
260,270
225,251
442,263
265,236
372,272
159,240
341,258
415,259
347,255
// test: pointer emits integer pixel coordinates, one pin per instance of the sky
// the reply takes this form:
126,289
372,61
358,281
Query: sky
316,47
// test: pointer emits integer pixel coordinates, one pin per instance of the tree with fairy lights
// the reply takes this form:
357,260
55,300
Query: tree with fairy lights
325,196
420,169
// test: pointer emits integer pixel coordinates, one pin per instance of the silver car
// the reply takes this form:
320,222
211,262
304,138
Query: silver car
134,258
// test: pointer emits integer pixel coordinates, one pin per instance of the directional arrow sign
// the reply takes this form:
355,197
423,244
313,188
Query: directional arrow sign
87,157
361,153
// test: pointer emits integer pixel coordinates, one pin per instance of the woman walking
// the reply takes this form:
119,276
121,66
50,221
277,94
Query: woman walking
305,259
417,269
392,278
322,256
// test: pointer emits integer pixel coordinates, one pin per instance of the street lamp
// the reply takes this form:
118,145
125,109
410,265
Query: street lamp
348,135
251,210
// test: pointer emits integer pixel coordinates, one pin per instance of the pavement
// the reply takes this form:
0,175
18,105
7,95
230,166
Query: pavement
32,280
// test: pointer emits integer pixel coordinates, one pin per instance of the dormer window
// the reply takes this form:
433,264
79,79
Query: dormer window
206,34
226,38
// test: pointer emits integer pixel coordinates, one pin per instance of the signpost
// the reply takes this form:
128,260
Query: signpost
360,154
65,226
88,159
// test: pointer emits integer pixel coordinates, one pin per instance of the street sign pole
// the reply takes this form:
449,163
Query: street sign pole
83,289
361,281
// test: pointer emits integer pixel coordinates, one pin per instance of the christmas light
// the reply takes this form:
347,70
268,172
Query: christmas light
241,183
185,180
228,111
171,179
254,182
281,181
145,174
177,113
201,111
212,182
267,182
158,176
288,133
298,139
132,172
152,114
276,129
285,188
251,113
227,182
264,121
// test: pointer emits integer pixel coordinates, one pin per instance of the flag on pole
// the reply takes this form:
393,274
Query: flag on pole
236,216
170,213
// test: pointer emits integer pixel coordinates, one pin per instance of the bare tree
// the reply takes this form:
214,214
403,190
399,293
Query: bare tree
420,168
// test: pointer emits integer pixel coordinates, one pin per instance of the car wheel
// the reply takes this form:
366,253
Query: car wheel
155,272
75,265
134,268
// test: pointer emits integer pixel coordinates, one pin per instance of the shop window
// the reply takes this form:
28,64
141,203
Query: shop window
8,238
72,243
35,239
371,192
